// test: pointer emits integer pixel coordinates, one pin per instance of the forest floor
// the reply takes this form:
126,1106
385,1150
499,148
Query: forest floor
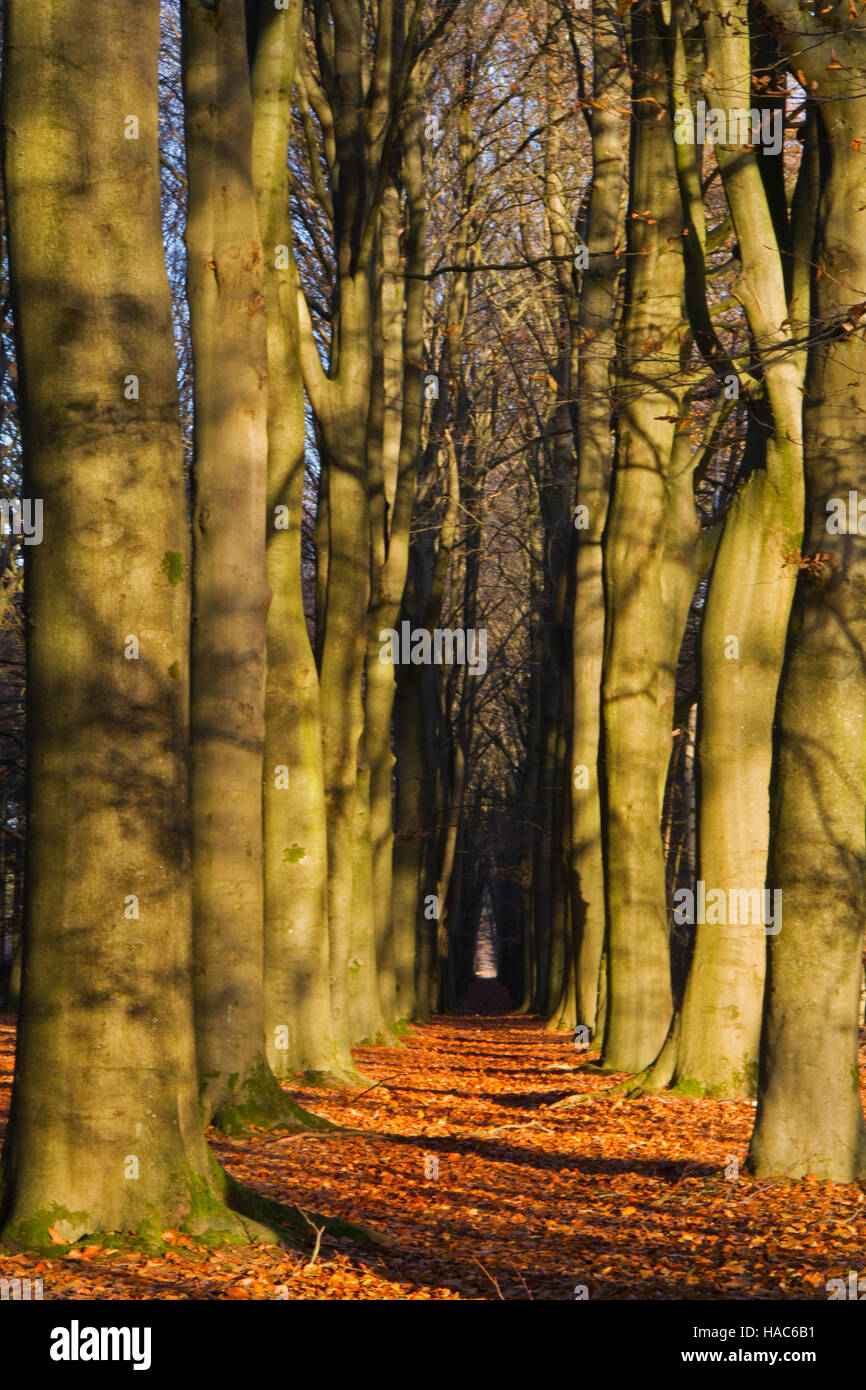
483,1188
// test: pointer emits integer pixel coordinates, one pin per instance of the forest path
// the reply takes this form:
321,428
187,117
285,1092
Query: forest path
628,1198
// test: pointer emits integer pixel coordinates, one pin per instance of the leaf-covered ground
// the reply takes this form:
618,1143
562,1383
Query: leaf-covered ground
484,1188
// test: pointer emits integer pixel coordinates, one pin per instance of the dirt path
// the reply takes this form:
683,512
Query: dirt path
482,1191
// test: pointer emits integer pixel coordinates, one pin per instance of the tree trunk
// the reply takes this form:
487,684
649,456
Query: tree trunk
357,83
745,624
409,840
365,1013
298,1029
809,1117
393,487
636,739
530,791
598,301
105,1132
230,592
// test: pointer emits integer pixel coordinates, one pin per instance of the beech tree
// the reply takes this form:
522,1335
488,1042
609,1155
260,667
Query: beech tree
478,330
809,1117
639,652
713,1044
297,1003
351,103
230,591
105,1131
748,603
604,237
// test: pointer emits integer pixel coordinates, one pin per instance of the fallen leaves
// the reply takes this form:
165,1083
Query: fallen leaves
531,1196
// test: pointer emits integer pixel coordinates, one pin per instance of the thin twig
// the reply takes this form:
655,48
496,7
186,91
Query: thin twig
320,1231
352,1100
306,1134
490,1277
329,1134
527,1124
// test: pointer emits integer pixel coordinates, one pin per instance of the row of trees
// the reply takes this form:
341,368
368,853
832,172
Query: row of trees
218,893
458,336
732,364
